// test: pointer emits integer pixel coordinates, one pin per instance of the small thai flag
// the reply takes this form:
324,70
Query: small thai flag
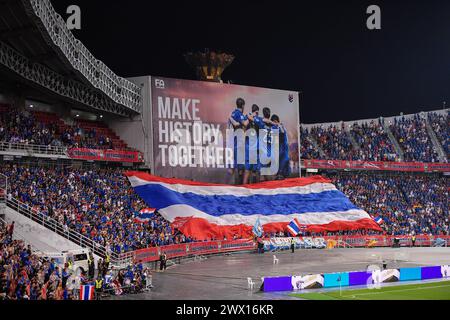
294,227
145,215
378,220
87,292
257,228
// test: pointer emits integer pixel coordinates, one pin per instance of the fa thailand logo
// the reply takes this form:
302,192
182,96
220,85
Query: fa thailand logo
291,98
159,84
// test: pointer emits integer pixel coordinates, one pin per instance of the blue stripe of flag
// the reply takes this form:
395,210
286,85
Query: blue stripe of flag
160,197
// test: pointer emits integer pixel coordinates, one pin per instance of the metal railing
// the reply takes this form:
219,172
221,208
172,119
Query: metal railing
33,148
66,232
3,187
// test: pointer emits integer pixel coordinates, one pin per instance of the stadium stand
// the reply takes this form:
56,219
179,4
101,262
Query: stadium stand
441,126
98,203
334,142
101,205
47,129
373,142
407,203
308,150
414,140
26,276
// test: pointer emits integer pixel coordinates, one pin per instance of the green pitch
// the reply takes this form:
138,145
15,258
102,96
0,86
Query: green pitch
424,291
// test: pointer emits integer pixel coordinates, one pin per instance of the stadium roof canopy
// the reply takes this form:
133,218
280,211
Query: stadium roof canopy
38,49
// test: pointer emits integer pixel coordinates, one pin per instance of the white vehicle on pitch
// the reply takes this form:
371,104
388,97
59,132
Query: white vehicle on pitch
79,259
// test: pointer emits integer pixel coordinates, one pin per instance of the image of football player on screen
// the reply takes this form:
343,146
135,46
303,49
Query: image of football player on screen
252,161
284,170
237,121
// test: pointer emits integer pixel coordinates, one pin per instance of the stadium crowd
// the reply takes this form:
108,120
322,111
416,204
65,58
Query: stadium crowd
441,127
98,203
25,276
407,203
373,142
333,140
308,150
22,127
411,133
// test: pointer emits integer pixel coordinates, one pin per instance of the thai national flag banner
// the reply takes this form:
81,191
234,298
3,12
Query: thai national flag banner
145,215
217,210
294,227
87,292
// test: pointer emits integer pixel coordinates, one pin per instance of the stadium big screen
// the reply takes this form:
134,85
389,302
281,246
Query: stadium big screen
190,121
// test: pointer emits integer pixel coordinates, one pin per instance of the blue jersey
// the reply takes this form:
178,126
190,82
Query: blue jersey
256,124
284,166
267,138
252,144
237,116
240,118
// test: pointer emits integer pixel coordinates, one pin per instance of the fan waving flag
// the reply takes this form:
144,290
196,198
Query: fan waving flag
257,228
145,215
217,210
87,292
293,227
379,220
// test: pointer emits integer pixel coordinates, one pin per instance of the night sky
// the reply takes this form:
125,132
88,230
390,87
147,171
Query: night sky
321,48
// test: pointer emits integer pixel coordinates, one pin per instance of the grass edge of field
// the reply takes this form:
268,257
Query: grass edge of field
348,294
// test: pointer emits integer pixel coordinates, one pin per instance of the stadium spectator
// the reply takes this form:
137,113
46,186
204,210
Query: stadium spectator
25,127
308,151
99,204
373,142
411,133
441,126
25,276
408,204
334,141
21,127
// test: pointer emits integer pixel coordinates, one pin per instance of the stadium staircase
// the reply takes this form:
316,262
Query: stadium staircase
394,141
38,236
46,234
436,144
352,138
